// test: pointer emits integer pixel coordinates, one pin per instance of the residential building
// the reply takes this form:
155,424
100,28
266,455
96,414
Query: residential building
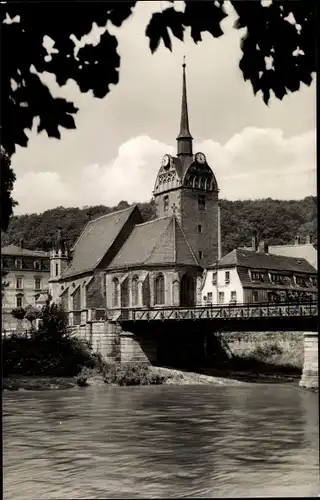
121,261
248,276
27,273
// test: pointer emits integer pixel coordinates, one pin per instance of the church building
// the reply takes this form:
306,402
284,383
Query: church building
121,261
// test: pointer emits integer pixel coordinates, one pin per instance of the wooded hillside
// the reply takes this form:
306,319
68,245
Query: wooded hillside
278,221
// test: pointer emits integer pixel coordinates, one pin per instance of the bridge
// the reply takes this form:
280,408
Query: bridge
295,316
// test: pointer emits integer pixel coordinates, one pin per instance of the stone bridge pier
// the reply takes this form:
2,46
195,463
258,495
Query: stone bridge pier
310,373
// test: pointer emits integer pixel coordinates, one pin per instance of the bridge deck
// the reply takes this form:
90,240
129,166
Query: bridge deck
221,312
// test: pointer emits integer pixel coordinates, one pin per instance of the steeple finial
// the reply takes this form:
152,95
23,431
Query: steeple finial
184,138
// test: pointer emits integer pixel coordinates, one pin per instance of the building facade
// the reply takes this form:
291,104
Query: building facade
26,273
253,276
121,261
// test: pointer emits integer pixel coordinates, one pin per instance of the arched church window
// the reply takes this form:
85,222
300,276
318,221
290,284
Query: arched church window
134,289
115,292
202,183
196,182
159,289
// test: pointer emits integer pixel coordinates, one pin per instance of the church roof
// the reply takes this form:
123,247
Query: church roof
260,260
22,252
158,242
96,239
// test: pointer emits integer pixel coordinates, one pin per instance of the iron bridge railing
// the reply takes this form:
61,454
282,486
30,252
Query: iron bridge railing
226,312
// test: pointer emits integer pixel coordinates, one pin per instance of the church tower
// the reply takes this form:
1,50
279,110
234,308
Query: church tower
187,188
59,257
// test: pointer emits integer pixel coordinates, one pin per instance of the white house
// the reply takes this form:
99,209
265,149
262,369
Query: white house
247,276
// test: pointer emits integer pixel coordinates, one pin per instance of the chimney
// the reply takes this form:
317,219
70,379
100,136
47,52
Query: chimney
297,240
262,247
254,242
308,239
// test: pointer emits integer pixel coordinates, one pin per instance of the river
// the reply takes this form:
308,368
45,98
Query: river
161,441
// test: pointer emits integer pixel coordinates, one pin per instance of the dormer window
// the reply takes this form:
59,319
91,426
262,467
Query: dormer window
314,281
18,264
275,278
256,276
301,281
37,265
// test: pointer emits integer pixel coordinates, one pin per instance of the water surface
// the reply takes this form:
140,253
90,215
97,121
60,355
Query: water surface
162,441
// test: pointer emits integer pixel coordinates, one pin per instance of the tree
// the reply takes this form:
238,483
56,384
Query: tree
31,314
282,31
7,180
18,313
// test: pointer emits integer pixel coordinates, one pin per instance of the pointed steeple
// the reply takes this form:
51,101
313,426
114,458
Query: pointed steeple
184,138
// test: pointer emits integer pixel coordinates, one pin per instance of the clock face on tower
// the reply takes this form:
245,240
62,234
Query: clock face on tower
165,161
200,158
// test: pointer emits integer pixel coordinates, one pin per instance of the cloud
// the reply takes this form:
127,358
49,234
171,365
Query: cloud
256,163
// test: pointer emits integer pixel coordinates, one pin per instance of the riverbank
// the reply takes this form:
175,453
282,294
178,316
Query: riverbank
169,376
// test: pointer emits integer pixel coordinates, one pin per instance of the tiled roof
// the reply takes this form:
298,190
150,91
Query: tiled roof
22,252
306,251
160,241
96,239
259,260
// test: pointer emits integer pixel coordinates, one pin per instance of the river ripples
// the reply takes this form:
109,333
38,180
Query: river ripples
162,441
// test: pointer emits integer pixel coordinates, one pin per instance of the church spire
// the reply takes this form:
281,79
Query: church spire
184,138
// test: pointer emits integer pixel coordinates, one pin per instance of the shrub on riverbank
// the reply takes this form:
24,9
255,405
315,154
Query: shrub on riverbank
49,351
131,374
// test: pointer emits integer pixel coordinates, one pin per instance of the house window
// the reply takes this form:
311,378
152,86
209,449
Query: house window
166,202
256,276
200,254
159,289
57,269
19,300
214,278
134,289
300,281
201,202
37,283
209,297
314,281
37,265
18,264
115,292
227,277
19,284
276,278
255,296
199,228
221,297
233,296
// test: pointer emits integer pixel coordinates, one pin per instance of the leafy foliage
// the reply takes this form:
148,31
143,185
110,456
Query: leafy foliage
278,221
24,96
50,350
131,374
18,313
7,178
31,314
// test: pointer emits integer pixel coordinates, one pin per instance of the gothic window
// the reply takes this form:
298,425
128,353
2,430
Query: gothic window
200,254
201,202
199,228
134,289
202,183
159,289
57,269
166,202
195,182
115,292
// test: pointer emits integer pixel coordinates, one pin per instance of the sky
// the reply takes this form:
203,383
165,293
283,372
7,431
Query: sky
256,151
